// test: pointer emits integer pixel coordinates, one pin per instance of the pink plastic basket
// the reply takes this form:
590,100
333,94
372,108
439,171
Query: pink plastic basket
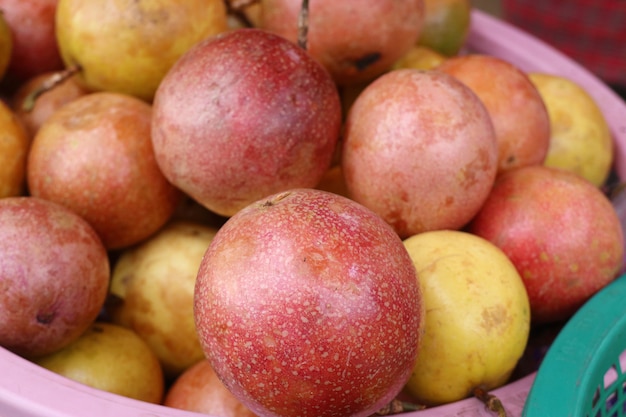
27,390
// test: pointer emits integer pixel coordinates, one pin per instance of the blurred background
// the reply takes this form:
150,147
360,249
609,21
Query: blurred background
490,6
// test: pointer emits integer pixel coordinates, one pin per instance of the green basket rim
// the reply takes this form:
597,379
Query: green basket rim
575,364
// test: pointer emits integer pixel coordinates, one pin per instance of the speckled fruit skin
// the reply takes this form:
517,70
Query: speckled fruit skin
151,290
419,149
111,358
581,140
559,230
47,103
477,316
14,147
54,276
200,390
355,40
95,156
520,117
307,304
242,116
134,43
35,47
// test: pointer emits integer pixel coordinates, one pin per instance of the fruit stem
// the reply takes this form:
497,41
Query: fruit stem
397,407
51,82
613,190
303,24
239,4
236,8
492,403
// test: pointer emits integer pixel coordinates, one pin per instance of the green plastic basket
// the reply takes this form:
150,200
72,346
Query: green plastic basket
584,371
